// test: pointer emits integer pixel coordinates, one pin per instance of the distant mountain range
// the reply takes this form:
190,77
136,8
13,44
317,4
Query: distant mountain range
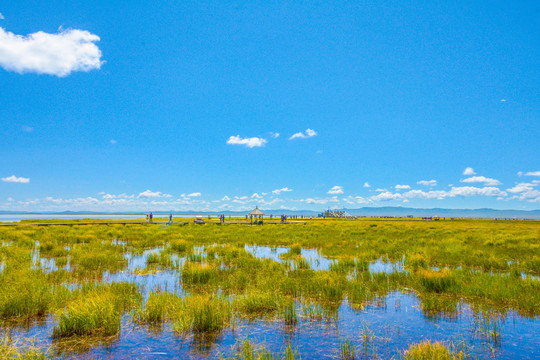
364,211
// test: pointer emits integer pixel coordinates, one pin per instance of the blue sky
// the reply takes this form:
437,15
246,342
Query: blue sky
178,106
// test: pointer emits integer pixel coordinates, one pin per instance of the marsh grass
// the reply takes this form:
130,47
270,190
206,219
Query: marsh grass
312,311
481,264
197,274
180,246
159,260
195,258
96,311
202,314
246,350
159,307
89,316
14,350
288,313
257,304
437,307
487,325
426,349
302,264
347,265
24,294
437,281
368,343
347,350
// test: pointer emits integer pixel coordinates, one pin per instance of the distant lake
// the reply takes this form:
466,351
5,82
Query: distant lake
19,217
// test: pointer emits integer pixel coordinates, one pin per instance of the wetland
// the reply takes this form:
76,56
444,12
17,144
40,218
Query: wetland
335,289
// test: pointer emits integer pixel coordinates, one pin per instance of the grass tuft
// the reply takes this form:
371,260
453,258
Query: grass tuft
427,350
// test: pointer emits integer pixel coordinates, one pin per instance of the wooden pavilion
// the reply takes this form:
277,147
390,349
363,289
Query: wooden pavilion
255,212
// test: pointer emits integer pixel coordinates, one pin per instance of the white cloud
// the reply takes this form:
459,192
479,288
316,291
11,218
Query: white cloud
256,196
226,198
521,187
249,142
380,190
336,190
531,195
27,128
361,200
532,173
426,194
113,142
482,179
195,194
279,191
465,191
275,135
149,194
474,191
386,196
14,179
402,187
427,182
366,185
469,171
315,201
2,16
300,135
283,207
54,54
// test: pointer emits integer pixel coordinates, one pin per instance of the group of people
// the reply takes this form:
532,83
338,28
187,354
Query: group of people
150,218
222,218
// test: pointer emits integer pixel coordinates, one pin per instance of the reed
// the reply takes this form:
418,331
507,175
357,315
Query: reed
347,350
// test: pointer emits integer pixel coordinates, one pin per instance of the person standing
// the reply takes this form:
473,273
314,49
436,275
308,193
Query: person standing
151,217
170,218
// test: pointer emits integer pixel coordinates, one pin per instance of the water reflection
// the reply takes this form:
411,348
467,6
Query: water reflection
379,326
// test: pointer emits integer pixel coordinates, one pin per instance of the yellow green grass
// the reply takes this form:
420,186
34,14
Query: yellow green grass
445,263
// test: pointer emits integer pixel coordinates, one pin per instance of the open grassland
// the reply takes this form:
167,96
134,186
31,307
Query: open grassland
84,279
